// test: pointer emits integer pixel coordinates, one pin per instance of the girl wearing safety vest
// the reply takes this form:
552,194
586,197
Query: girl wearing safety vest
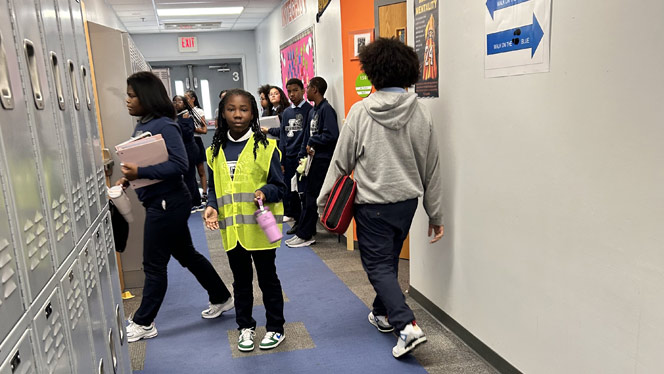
244,166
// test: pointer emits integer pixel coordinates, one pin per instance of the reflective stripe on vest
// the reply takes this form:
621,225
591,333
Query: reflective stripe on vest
235,197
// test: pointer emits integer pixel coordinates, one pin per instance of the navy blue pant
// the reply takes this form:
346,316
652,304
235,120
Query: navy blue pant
292,204
167,234
190,175
381,230
306,225
240,261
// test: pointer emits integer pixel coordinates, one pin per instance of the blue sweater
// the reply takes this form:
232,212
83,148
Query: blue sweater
273,190
321,131
293,121
170,172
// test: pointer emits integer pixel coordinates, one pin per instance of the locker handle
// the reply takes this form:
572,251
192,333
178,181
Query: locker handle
55,65
114,356
16,361
119,321
84,80
29,48
74,86
101,367
5,84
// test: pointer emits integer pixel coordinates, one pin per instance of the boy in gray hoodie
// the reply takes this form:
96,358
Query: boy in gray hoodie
390,143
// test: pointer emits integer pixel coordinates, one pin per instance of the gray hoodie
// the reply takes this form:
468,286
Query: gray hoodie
389,141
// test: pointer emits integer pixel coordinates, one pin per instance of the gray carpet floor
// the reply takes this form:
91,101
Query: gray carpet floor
444,353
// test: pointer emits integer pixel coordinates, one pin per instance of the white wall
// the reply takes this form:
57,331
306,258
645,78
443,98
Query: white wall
222,44
327,37
553,253
99,12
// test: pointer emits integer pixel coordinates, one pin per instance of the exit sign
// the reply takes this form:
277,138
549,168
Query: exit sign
188,44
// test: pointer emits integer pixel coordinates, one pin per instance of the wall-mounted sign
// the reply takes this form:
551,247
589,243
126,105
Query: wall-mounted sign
297,58
291,10
362,85
188,44
517,37
426,46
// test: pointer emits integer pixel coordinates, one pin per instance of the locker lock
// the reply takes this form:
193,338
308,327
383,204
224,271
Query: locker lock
16,361
48,310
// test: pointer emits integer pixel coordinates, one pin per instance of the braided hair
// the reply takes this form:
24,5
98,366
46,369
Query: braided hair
221,134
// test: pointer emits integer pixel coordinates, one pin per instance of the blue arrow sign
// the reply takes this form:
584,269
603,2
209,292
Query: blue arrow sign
494,5
523,37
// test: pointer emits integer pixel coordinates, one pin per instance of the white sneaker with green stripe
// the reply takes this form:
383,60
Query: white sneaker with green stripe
245,342
271,340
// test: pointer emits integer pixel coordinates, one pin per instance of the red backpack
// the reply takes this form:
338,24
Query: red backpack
339,206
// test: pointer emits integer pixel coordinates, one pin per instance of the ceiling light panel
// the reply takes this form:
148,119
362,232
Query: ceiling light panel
187,12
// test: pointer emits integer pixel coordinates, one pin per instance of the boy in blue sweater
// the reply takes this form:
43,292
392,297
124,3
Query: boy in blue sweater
291,135
320,138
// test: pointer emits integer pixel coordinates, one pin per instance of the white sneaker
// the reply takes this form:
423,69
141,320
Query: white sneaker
271,340
136,332
291,239
409,338
380,322
245,342
299,242
215,310
288,219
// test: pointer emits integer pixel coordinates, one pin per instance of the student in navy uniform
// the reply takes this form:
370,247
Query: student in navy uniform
167,205
389,142
187,126
320,138
291,135
200,123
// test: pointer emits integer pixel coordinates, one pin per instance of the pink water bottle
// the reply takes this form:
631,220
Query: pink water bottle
268,224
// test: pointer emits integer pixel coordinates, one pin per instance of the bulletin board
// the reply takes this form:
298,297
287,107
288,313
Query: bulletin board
297,58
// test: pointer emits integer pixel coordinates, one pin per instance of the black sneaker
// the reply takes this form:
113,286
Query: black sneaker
293,229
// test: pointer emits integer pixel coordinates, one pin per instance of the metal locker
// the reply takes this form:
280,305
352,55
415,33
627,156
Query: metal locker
16,151
11,307
80,109
118,311
100,337
76,309
57,65
20,359
86,78
50,334
43,126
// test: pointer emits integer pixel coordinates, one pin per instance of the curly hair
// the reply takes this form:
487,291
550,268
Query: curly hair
221,134
265,90
390,63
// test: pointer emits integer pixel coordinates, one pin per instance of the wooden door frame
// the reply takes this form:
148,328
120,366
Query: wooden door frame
378,4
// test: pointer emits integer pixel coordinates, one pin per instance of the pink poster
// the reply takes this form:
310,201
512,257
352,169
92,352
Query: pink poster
297,58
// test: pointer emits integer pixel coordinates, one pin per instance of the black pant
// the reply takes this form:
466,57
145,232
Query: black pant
381,230
239,260
292,203
306,225
167,234
190,176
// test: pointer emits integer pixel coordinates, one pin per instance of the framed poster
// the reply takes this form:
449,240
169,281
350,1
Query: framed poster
359,39
297,58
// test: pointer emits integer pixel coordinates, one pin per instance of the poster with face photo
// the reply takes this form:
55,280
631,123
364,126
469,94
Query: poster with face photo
426,47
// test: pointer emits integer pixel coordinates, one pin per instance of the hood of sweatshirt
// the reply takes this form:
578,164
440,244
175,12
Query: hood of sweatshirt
391,109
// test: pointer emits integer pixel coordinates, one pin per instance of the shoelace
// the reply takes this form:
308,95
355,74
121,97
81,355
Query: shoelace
247,334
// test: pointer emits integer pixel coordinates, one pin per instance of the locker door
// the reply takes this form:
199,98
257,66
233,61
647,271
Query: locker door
95,307
43,126
20,359
16,151
76,308
52,343
76,133
80,108
56,66
11,307
86,79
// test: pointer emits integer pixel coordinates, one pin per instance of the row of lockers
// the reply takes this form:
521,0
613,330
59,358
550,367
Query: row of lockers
60,303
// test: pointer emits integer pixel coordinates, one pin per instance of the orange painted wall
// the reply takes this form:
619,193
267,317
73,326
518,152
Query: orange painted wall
355,15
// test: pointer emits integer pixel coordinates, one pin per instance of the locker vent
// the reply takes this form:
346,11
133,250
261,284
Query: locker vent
77,196
91,190
8,284
100,253
138,62
89,274
53,339
101,181
74,298
108,235
60,212
35,240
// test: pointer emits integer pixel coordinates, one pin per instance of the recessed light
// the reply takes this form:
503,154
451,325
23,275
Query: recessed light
184,12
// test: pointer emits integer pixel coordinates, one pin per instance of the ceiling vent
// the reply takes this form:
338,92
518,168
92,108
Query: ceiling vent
193,26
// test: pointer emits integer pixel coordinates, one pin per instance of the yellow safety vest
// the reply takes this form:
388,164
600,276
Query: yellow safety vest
235,197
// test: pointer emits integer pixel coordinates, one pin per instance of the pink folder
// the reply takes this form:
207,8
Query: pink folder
145,151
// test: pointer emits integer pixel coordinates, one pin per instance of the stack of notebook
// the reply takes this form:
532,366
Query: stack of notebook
144,150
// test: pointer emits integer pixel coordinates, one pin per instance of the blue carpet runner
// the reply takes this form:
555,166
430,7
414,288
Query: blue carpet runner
335,318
